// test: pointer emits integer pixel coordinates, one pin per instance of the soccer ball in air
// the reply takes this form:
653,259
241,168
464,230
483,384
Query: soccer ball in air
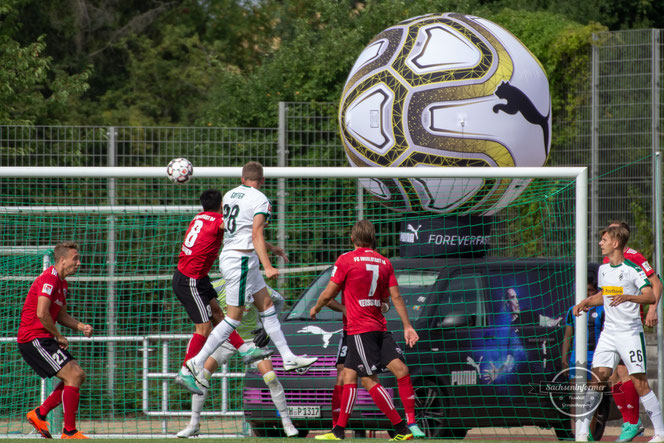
446,90
179,170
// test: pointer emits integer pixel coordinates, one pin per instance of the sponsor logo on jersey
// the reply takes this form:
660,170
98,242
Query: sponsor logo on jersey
47,289
59,303
646,266
612,290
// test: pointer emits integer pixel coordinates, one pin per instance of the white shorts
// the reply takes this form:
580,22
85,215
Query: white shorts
243,277
224,352
630,347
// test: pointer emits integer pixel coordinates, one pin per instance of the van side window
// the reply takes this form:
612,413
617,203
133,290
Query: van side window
464,296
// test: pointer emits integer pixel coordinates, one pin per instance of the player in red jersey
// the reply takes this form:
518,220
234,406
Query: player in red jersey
624,392
192,285
44,348
366,279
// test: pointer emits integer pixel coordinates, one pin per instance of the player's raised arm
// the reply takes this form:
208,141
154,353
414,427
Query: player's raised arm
260,245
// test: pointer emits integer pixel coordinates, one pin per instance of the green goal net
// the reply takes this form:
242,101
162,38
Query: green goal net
487,290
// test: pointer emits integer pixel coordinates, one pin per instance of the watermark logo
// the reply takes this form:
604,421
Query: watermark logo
577,400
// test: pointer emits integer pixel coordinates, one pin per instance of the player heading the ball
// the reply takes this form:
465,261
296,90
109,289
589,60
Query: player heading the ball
246,212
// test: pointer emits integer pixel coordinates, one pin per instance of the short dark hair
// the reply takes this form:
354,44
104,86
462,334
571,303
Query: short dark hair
211,200
252,171
61,249
617,233
593,282
364,234
622,224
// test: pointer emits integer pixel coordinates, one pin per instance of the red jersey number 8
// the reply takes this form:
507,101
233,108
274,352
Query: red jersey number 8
193,234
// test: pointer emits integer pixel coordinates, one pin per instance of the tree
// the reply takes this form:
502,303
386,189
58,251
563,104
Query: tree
31,90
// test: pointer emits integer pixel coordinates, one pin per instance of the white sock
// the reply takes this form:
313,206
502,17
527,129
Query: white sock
277,393
654,410
244,347
197,402
592,399
273,329
219,334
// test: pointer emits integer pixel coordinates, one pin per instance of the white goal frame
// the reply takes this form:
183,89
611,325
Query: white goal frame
578,174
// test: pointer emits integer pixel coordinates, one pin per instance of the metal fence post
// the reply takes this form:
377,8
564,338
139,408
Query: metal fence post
657,196
281,184
111,157
594,147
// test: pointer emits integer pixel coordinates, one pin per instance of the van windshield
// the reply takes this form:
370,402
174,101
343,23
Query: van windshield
416,286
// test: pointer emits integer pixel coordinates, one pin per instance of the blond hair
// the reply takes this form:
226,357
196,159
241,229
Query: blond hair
252,171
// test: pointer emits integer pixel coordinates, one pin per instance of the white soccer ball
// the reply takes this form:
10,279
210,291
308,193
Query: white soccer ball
179,170
446,90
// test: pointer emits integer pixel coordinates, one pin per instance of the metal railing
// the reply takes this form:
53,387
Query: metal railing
163,374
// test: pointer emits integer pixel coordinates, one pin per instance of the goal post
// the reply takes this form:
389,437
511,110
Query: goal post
130,239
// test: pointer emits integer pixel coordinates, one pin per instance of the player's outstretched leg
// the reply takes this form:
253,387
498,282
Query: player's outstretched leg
273,328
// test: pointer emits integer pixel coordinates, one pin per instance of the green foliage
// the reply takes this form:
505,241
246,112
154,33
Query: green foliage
31,89
168,79
229,62
642,236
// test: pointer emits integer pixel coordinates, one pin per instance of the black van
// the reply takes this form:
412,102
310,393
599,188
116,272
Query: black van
490,332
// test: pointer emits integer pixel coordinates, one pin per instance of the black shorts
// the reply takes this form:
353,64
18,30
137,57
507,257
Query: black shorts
369,353
342,350
45,356
195,296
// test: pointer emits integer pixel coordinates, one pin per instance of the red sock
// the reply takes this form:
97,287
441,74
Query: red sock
407,395
384,403
631,413
619,399
336,403
347,401
70,396
195,345
235,340
53,400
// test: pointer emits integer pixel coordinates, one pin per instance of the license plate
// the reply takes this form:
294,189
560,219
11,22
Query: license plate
304,411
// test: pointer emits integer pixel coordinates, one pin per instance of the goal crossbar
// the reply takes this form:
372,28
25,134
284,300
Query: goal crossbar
302,172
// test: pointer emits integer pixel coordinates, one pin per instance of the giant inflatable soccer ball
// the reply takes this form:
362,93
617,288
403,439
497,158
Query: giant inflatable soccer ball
446,90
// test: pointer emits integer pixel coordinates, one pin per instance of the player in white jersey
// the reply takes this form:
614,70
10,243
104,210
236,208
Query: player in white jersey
623,287
246,212
259,338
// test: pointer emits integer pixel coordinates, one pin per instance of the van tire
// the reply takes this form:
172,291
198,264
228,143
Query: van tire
431,412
